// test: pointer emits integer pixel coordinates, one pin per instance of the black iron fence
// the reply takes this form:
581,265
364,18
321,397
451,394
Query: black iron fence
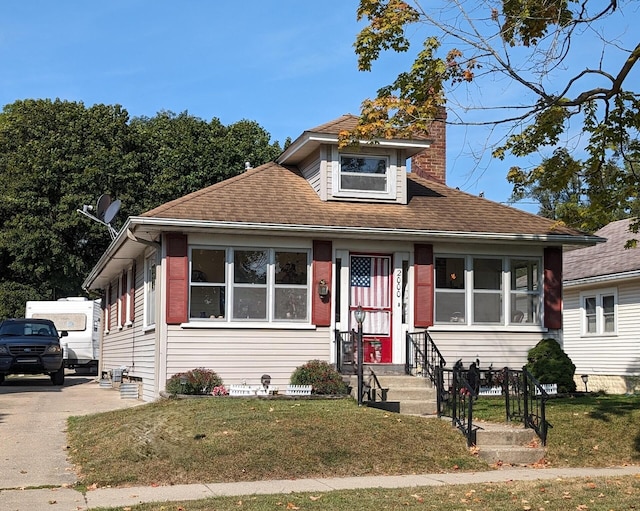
455,397
524,397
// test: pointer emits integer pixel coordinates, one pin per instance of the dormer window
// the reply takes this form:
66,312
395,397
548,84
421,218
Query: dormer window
364,176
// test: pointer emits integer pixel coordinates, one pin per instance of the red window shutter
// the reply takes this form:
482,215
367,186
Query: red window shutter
177,278
123,299
132,293
553,287
423,286
321,269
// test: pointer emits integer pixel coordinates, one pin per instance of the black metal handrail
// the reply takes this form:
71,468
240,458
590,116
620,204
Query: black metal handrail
525,400
373,389
423,356
346,351
455,398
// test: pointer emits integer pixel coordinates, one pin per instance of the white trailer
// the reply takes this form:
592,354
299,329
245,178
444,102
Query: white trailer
81,318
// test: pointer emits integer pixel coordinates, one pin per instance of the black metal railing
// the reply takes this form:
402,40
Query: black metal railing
372,390
525,401
455,398
346,344
423,356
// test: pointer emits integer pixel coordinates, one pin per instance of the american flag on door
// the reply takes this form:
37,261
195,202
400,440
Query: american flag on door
370,287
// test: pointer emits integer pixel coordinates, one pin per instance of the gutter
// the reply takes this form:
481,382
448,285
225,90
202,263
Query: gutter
128,233
597,279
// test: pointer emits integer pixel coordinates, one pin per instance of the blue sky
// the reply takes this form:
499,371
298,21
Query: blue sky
287,64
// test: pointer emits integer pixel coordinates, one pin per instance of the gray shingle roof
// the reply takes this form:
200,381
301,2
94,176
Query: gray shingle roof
605,258
274,194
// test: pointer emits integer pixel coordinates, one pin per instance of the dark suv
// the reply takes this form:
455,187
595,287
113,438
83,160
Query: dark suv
31,346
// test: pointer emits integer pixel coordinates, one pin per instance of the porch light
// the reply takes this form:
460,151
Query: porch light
359,314
323,288
585,379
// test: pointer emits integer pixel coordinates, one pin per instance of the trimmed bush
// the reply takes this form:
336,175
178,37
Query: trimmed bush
550,364
323,378
199,382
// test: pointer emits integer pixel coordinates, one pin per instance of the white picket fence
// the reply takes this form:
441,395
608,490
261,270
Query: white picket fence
259,390
550,388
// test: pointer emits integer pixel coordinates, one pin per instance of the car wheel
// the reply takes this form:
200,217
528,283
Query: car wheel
57,378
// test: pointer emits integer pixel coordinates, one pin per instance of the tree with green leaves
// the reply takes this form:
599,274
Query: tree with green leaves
518,66
56,156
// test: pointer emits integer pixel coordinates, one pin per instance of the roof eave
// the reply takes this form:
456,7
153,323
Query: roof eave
309,141
131,233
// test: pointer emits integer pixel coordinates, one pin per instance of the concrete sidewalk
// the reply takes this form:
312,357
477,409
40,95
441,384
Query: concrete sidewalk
66,499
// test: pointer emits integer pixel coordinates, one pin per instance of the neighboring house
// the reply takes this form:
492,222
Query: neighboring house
256,274
602,311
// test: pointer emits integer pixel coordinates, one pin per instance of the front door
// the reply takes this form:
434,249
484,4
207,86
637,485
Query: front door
370,288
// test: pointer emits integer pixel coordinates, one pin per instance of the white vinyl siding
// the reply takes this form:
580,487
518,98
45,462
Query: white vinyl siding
240,355
615,353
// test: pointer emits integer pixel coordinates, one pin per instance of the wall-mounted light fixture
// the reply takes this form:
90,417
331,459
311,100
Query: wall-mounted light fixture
323,288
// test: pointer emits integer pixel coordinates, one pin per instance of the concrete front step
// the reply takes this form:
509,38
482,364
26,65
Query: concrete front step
404,394
508,444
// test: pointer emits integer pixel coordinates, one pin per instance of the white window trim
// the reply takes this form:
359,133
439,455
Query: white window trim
391,176
598,294
228,320
505,293
119,303
152,257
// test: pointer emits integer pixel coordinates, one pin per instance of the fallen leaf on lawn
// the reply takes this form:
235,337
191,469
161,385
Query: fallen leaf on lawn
582,507
314,498
591,486
595,447
418,497
93,486
291,505
271,409
566,496
601,495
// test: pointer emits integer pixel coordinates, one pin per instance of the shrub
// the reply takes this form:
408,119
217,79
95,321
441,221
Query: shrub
550,364
198,381
323,378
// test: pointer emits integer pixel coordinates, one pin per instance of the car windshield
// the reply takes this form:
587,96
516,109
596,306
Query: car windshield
27,329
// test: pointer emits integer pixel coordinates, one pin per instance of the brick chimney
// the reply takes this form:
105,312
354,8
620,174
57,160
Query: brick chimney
432,163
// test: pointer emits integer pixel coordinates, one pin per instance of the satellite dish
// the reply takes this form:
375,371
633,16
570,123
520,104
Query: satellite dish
111,211
103,204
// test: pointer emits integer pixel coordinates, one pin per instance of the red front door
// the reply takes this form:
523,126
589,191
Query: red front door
370,288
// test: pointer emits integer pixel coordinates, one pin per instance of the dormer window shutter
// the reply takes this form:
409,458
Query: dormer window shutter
553,287
177,278
423,285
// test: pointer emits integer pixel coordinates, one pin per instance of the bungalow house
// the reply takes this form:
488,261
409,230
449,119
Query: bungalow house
602,311
257,273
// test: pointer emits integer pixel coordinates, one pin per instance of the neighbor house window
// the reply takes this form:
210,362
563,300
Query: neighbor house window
487,290
599,311
150,290
365,176
260,284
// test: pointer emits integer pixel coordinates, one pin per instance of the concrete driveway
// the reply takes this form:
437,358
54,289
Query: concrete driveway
33,414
